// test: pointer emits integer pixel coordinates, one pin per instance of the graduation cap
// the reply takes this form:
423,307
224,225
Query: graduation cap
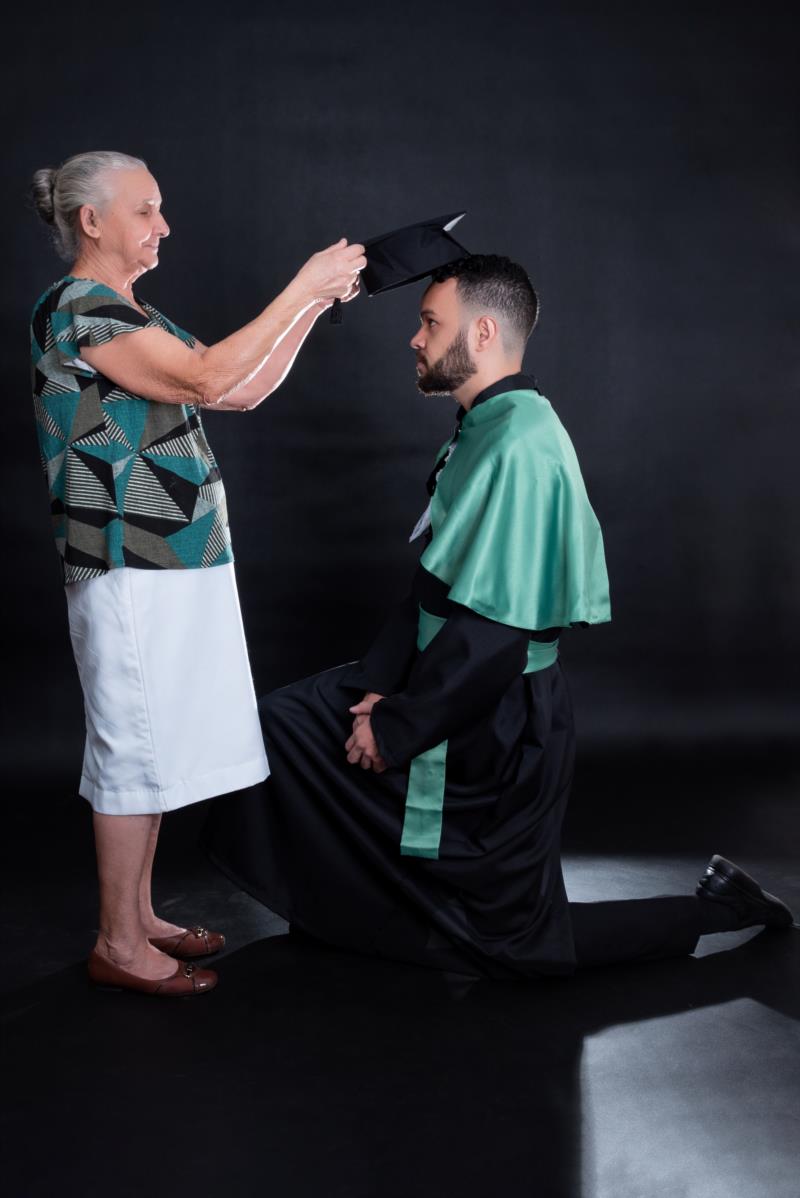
406,255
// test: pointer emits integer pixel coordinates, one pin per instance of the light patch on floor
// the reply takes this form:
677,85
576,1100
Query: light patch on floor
700,1104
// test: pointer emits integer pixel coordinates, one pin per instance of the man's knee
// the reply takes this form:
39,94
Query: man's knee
274,708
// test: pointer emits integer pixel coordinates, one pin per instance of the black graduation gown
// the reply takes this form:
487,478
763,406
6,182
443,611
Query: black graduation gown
320,842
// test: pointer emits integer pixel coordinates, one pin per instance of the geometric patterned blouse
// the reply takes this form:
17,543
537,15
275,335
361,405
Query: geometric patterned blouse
132,482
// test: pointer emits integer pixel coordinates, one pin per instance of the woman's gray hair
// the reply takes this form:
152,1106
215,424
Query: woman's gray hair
59,192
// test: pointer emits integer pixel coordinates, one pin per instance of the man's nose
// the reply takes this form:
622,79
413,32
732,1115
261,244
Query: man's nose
163,227
417,341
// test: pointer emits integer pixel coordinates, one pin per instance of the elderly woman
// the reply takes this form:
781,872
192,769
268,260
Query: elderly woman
140,522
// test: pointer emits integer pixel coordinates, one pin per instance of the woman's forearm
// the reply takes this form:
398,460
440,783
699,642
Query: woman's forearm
275,368
228,370
231,365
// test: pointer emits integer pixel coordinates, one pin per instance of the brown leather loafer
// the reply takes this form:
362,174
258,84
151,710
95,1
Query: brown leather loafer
197,942
186,980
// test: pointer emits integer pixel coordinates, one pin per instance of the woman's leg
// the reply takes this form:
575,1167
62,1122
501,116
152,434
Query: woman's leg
123,843
151,923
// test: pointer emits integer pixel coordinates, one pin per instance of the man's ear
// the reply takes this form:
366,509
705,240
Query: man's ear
486,332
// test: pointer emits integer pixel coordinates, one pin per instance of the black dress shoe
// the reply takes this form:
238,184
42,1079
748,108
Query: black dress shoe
724,882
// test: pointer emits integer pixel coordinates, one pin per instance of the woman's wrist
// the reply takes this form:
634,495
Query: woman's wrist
299,297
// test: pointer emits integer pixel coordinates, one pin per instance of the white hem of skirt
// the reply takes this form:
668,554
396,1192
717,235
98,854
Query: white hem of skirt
150,801
171,712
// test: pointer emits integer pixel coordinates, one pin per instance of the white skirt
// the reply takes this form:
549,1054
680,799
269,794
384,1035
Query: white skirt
171,714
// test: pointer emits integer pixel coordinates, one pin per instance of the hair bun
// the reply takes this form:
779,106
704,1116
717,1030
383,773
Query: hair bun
42,188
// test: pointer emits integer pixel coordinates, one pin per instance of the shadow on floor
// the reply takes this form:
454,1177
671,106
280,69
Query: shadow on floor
311,1072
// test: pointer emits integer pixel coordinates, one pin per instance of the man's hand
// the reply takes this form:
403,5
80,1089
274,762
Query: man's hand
361,747
366,705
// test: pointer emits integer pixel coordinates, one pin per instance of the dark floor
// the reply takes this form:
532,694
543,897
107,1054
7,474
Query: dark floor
315,1073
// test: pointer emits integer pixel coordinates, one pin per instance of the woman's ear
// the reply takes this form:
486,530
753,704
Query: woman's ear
88,220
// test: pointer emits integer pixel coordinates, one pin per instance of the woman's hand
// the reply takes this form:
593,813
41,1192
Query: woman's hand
353,292
332,273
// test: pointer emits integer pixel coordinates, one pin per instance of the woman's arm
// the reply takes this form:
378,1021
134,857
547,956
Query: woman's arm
276,367
156,365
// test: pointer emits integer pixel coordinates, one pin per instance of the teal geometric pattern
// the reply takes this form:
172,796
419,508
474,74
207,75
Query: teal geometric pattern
132,482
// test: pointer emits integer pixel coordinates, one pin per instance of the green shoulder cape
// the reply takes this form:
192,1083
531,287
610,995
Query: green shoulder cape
514,536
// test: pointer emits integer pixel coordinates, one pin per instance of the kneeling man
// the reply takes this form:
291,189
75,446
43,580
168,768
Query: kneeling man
416,799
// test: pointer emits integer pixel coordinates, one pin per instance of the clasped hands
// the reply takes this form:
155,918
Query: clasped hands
361,746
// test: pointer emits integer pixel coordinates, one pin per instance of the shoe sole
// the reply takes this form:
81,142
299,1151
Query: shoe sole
149,993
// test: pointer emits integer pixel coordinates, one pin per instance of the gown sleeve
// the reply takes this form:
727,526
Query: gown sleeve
452,685
384,667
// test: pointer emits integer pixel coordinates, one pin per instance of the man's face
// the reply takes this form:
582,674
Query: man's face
443,357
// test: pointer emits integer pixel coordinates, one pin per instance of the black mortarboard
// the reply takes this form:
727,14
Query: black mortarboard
406,255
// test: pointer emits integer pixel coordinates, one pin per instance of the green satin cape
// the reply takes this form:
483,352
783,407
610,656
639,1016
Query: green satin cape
514,535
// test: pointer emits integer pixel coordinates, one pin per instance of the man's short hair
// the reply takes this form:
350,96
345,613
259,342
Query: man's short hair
495,284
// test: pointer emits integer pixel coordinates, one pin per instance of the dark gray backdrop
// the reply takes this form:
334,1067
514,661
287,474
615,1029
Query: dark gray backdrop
639,160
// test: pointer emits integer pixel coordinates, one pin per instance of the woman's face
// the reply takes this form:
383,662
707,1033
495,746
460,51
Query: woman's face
128,228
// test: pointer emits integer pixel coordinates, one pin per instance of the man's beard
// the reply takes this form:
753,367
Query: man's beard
451,371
